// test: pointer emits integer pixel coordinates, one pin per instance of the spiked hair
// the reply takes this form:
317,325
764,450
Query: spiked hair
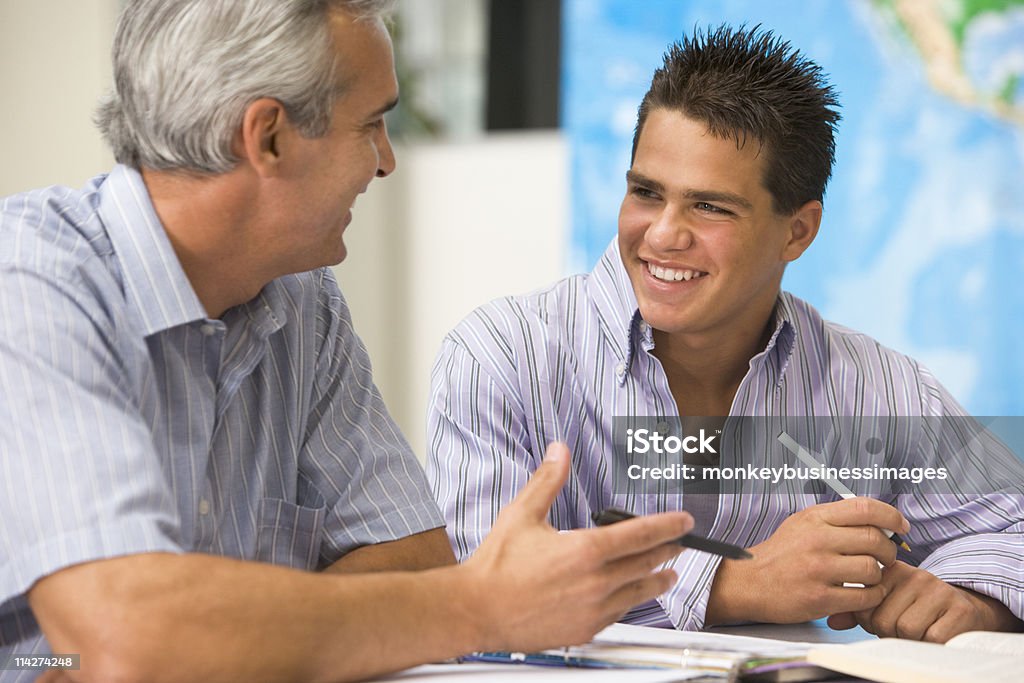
747,83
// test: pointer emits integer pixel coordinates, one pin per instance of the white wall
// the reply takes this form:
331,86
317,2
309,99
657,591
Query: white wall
455,226
54,65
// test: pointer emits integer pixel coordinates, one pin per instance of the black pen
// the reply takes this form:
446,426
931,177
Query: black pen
707,545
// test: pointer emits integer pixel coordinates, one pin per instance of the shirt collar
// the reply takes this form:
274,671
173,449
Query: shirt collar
155,284
785,319
615,302
266,313
619,316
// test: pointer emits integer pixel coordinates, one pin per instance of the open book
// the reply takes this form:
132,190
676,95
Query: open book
966,658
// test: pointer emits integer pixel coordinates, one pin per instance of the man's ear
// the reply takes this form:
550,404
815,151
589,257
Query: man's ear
258,140
803,228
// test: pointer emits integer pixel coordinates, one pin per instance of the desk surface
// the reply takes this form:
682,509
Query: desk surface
808,632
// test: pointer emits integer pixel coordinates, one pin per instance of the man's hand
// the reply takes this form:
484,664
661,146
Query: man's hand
162,617
798,573
920,606
537,588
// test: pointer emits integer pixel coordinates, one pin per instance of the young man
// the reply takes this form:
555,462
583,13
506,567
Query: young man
188,425
683,316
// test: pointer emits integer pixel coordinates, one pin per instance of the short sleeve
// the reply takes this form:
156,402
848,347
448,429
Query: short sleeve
353,452
80,480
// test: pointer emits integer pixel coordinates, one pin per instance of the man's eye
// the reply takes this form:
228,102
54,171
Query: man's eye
710,208
643,193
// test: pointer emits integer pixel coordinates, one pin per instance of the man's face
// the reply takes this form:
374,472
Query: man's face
695,208
334,169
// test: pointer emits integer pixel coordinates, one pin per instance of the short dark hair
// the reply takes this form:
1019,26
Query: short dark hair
748,83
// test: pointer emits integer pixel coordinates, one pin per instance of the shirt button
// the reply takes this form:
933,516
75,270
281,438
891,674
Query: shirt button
644,327
204,507
620,370
209,329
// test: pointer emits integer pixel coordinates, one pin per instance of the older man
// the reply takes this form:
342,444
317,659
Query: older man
188,426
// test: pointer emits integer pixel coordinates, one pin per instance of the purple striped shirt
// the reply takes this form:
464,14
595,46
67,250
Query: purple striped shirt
561,362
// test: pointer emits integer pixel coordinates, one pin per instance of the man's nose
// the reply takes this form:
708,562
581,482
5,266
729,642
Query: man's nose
385,153
669,231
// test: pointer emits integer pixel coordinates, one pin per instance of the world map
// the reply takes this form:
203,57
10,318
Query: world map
922,241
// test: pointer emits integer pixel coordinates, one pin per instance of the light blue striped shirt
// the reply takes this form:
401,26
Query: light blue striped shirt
131,423
562,362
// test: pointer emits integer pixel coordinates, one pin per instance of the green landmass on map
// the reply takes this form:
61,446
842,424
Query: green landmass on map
940,32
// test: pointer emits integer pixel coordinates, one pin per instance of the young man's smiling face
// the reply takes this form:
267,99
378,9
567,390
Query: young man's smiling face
703,246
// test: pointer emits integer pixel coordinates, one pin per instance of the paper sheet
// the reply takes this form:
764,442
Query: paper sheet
625,634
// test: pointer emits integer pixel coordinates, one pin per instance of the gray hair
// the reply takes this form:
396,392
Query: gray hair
186,70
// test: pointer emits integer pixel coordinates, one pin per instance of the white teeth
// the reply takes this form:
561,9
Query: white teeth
673,275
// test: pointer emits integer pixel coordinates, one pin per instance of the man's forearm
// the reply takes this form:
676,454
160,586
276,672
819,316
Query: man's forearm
728,602
996,615
196,617
162,617
424,550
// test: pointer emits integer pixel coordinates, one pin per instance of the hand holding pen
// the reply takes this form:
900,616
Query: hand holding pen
802,570
839,487
591,577
822,560
707,545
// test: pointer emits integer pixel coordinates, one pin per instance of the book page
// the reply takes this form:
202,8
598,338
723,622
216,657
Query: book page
990,641
907,661
630,634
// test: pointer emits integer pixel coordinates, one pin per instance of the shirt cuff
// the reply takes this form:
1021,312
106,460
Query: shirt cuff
989,564
687,602
379,527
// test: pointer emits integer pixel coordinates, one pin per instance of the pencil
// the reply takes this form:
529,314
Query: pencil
839,487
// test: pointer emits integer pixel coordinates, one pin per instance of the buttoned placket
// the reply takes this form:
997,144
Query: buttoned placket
241,342
213,337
